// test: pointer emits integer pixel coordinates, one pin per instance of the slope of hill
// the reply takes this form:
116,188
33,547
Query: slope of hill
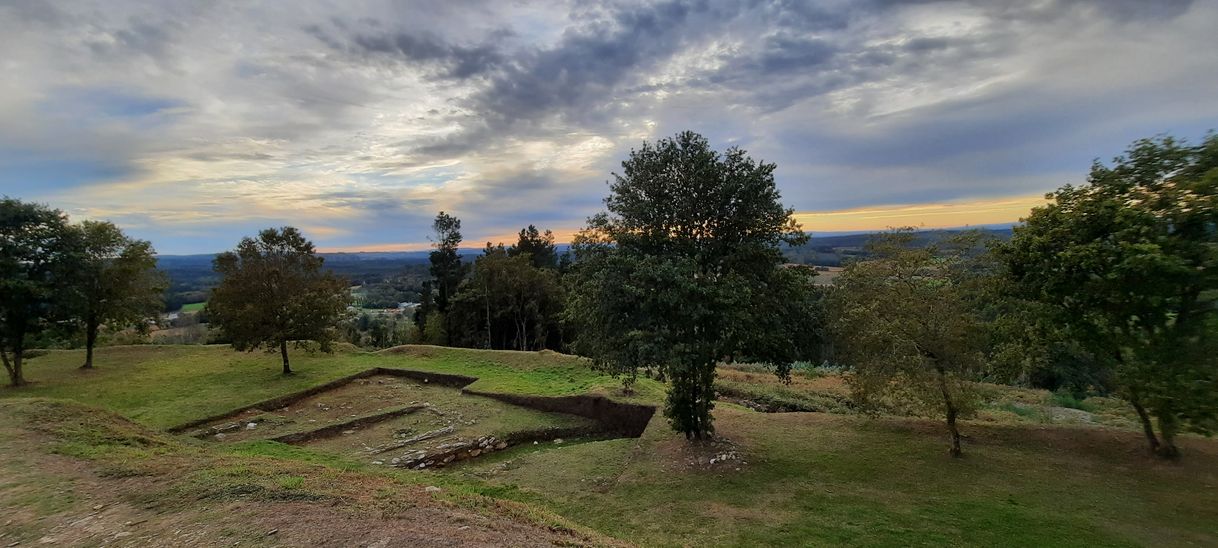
769,479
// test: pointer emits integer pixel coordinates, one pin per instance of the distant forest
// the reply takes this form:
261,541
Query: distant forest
388,278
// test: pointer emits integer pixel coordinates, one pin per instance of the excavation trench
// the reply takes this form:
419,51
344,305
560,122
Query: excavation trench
413,419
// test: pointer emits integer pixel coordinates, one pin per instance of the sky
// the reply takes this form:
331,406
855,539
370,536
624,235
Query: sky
193,124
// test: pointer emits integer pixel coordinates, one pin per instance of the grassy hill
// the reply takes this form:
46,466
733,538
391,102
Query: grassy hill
772,479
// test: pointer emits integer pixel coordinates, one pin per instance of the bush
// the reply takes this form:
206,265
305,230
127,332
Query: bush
777,398
1064,398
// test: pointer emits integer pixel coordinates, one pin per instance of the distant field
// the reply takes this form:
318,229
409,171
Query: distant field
824,479
826,276
193,307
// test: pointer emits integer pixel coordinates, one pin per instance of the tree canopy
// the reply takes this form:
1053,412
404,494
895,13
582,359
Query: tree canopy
904,324
273,291
679,271
1127,265
539,247
38,255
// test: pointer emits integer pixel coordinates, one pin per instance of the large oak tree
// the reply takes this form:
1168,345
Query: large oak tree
273,291
683,269
1127,267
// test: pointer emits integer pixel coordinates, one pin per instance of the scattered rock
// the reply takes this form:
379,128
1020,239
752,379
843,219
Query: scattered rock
432,489
378,462
348,432
501,445
558,440
98,506
475,452
251,426
220,436
272,532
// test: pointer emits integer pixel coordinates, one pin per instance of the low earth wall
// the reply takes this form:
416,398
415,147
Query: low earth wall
624,419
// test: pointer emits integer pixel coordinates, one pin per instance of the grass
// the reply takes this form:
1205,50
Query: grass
799,479
818,479
163,386
822,389
193,307
1069,401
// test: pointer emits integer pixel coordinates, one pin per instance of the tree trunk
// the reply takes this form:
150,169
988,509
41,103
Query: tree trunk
1168,426
1147,427
13,376
951,426
13,367
90,340
952,413
283,351
487,293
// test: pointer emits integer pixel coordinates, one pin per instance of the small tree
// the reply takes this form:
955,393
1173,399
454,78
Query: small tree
447,271
117,283
273,291
1126,266
903,323
433,329
446,265
679,273
38,253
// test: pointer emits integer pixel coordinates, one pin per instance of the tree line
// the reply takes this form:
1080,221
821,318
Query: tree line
1109,288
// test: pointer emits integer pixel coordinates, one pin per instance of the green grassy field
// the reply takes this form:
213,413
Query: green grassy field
790,479
192,307
163,386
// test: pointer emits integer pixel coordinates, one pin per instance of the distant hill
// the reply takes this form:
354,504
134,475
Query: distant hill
834,250
191,276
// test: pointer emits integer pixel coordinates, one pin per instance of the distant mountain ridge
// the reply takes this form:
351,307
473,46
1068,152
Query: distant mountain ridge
419,257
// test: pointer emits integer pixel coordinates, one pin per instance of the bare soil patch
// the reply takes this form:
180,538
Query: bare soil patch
400,421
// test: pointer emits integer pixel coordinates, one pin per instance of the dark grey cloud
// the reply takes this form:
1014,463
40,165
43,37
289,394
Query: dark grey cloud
450,60
43,13
588,63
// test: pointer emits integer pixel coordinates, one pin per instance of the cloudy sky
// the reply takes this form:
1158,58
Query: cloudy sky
195,123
